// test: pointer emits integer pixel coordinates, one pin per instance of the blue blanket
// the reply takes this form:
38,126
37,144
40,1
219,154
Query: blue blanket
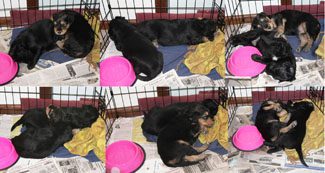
174,55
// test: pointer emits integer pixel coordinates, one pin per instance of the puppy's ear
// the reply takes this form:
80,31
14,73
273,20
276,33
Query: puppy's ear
55,16
70,19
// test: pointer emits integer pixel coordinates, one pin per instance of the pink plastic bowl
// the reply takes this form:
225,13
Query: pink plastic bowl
124,155
247,138
8,154
116,71
8,68
240,62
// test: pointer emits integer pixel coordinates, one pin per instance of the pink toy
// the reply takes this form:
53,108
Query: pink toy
116,71
247,138
240,62
8,68
125,156
8,154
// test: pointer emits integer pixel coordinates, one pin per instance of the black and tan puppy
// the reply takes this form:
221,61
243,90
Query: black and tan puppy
290,22
178,31
139,50
157,118
41,142
31,43
175,140
276,53
268,120
75,36
300,112
76,117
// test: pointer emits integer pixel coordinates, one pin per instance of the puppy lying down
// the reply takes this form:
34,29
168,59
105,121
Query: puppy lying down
48,129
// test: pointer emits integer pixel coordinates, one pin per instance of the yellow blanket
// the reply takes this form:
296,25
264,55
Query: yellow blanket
88,139
314,137
219,131
207,56
321,49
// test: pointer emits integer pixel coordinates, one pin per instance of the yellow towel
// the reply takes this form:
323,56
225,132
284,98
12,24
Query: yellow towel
88,139
207,56
219,131
94,56
320,50
314,137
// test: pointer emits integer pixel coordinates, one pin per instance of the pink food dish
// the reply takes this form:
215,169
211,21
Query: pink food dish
240,63
8,154
125,156
116,71
247,138
8,68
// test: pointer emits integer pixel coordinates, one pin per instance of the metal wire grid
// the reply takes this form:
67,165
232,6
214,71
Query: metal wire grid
39,9
10,102
123,102
243,96
240,12
128,9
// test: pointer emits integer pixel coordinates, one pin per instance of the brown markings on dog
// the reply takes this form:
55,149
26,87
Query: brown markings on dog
173,162
61,26
196,158
280,29
305,40
201,148
183,142
289,127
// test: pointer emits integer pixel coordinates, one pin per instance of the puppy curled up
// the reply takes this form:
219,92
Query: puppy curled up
139,50
276,53
75,37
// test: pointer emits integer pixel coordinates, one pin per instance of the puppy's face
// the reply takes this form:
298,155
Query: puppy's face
202,116
263,21
62,22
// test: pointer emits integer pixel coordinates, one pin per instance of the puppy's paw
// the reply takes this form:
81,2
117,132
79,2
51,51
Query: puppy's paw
207,155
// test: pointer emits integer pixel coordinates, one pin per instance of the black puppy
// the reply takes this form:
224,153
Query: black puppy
157,118
268,120
300,112
41,142
178,31
175,140
37,118
142,54
75,36
276,53
290,22
76,117
31,43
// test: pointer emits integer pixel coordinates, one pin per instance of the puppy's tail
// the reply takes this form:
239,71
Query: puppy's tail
301,156
18,123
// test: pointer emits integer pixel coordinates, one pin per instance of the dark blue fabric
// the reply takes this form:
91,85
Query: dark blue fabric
310,55
56,55
62,152
256,107
214,146
174,55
